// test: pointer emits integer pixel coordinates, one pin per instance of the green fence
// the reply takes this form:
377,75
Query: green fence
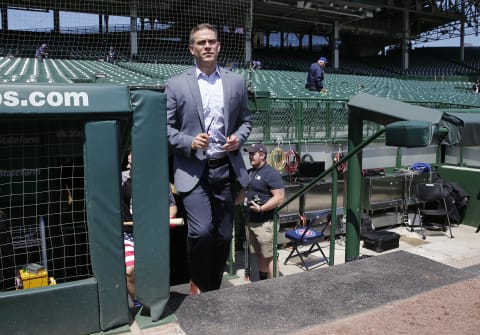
296,120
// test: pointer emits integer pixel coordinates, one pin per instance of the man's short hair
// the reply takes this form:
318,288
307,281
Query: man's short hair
202,26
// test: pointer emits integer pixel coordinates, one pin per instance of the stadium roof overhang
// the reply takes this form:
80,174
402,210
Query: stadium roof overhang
367,17
381,19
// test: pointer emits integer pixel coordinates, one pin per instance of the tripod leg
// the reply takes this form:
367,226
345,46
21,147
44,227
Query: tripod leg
246,247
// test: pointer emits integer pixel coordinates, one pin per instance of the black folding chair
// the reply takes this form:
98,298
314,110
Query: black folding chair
432,203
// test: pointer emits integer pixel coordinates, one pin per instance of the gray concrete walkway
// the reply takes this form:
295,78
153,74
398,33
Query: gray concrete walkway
305,299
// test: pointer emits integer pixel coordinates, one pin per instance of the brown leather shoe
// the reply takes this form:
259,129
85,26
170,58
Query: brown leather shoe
194,290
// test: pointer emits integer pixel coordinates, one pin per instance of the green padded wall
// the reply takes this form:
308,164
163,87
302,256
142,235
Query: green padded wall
68,308
102,175
94,304
150,200
409,134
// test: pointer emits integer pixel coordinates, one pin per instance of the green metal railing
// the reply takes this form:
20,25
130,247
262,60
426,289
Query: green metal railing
296,120
332,170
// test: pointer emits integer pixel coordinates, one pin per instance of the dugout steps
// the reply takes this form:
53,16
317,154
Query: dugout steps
314,297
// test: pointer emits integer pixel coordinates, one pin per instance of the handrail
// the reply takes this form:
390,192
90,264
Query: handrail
310,185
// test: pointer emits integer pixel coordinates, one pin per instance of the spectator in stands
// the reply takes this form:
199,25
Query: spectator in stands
265,191
256,65
208,164
127,218
41,54
112,56
476,86
315,75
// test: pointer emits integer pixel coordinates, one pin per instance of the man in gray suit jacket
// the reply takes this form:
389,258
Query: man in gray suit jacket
208,122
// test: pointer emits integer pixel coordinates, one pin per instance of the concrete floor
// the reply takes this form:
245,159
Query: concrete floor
438,253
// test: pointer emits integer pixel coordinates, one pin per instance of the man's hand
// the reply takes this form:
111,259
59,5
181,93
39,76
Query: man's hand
232,143
254,207
200,141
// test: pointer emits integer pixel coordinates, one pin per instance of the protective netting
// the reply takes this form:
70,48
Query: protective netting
141,30
42,201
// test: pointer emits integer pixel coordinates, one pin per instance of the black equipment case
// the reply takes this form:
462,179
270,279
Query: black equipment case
378,241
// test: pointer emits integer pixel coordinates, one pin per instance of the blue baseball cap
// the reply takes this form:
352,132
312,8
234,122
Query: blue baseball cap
257,147
323,59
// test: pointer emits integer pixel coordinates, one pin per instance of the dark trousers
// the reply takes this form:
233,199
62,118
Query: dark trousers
313,88
210,210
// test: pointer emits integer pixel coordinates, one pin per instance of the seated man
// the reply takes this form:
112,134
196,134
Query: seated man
128,240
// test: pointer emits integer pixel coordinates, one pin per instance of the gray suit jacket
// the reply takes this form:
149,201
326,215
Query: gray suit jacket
185,120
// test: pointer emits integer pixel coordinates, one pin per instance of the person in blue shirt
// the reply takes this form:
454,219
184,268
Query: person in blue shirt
41,53
264,193
316,75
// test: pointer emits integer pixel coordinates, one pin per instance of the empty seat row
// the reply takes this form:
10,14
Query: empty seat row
280,84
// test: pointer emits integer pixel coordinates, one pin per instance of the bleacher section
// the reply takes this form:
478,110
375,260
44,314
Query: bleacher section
429,62
63,71
83,44
343,86
285,84
283,72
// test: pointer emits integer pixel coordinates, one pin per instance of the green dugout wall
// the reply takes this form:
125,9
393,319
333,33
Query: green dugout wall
365,107
103,118
150,200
